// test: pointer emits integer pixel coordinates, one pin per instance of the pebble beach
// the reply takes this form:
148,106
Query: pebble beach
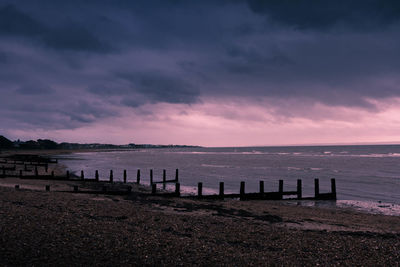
72,229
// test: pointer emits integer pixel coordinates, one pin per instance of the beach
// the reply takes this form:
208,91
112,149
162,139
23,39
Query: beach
66,228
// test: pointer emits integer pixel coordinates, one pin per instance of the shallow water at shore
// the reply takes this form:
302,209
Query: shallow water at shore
367,177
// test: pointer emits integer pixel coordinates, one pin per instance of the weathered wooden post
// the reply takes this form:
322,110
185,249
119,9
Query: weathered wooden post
153,189
333,188
47,187
261,188
178,189
82,175
316,188
124,176
36,172
75,188
151,176
242,190
20,173
281,189
138,177
67,174
221,190
96,175
176,175
17,187
111,176
164,178
199,189
299,189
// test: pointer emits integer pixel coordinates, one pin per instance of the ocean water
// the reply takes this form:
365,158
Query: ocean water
367,177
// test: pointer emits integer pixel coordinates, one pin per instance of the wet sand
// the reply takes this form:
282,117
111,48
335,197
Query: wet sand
58,228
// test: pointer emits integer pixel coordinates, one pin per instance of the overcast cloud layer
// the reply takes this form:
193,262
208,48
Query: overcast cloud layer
67,65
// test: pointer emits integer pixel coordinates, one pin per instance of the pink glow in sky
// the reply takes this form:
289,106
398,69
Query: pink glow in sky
237,123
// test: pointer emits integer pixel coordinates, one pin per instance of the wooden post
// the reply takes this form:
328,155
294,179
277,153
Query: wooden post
96,175
138,177
178,189
199,190
316,188
261,187
67,174
281,189
75,188
124,176
242,190
36,172
111,176
47,187
333,188
153,189
17,187
151,176
221,190
176,175
299,189
164,178
20,173
82,175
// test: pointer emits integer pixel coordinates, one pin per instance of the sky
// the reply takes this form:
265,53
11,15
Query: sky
210,73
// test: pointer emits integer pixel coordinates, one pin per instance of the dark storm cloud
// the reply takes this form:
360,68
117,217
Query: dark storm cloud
34,89
79,61
316,14
159,87
14,22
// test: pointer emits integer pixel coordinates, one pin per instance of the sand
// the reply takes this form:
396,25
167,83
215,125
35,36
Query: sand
67,229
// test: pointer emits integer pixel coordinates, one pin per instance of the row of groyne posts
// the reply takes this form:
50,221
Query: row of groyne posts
242,195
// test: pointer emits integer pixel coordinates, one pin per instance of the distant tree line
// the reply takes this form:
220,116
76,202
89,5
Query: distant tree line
50,144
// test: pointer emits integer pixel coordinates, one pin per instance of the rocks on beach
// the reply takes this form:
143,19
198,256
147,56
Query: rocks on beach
58,228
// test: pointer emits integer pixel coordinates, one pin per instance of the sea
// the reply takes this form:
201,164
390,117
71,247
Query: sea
367,176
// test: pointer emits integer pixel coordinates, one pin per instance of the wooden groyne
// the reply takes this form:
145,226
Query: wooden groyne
33,173
261,195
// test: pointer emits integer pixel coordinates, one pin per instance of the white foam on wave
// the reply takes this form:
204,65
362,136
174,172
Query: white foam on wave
374,207
216,166
388,155
218,153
